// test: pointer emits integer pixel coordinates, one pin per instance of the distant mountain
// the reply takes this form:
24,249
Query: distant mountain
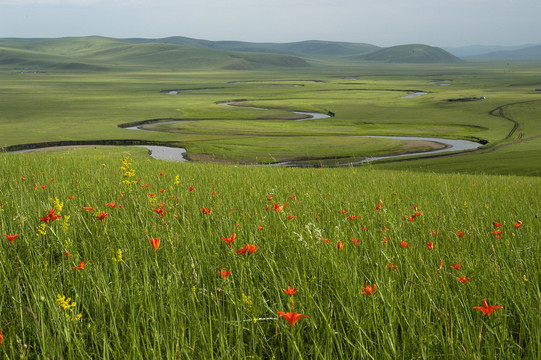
528,53
307,49
473,50
99,53
412,53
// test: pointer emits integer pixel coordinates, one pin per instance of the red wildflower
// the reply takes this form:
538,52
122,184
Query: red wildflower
224,273
518,224
351,217
11,237
434,232
88,208
392,266
355,241
487,309
387,239
325,240
293,197
498,233
497,224
152,194
1,337
291,317
260,228
340,245
277,207
50,216
81,265
113,205
206,211
344,212
463,279
230,239
155,243
378,207
70,197
159,211
102,215
290,217
404,244
191,188
270,198
23,178
460,233
368,290
438,269
162,191
430,245
290,291
248,248
456,266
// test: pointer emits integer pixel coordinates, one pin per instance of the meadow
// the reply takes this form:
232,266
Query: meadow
107,253
84,276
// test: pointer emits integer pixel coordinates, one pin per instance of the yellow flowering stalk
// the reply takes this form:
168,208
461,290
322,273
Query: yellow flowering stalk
57,205
118,257
41,230
65,303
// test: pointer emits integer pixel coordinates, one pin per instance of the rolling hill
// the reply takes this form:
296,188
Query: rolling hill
527,53
96,53
412,53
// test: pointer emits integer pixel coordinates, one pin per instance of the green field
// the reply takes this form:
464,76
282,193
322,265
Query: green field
435,240
63,103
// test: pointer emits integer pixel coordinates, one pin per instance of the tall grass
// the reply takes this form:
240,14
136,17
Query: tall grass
171,302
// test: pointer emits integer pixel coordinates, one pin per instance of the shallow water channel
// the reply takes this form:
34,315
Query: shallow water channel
170,153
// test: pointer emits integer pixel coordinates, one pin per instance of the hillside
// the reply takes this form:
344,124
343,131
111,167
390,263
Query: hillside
412,53
97,53
307,49
528,53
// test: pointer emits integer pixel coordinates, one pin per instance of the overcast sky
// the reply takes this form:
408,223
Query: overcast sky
378,22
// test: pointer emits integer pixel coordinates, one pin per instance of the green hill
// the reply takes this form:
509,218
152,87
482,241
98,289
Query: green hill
307,49
97,53
412,53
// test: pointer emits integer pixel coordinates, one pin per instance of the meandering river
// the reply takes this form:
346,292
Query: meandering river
177,154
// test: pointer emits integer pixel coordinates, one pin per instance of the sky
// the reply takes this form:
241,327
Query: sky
378,22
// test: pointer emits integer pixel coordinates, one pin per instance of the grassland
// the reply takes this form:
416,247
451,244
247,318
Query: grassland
81,287
83,276
366,98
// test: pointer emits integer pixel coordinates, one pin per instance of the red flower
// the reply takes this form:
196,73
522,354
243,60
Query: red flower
460,233
50,216
206,211
230,239
463,279
155,243
430,245
291,317
498,233
351,217
404,244
355,241
344,212
81,265
88,208
248,248
392,266
387,239
102,215
434,232
487,309
438,269
260,228
112,205
378,207
340,245
277,207
11,237
456,266
497,224
191,188
368,290
1,337
290,291
325,240
224,273
290,217
518,224
159,211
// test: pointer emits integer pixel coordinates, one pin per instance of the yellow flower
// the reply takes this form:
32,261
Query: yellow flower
66,224
64,303
41,229
57,204
118,257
